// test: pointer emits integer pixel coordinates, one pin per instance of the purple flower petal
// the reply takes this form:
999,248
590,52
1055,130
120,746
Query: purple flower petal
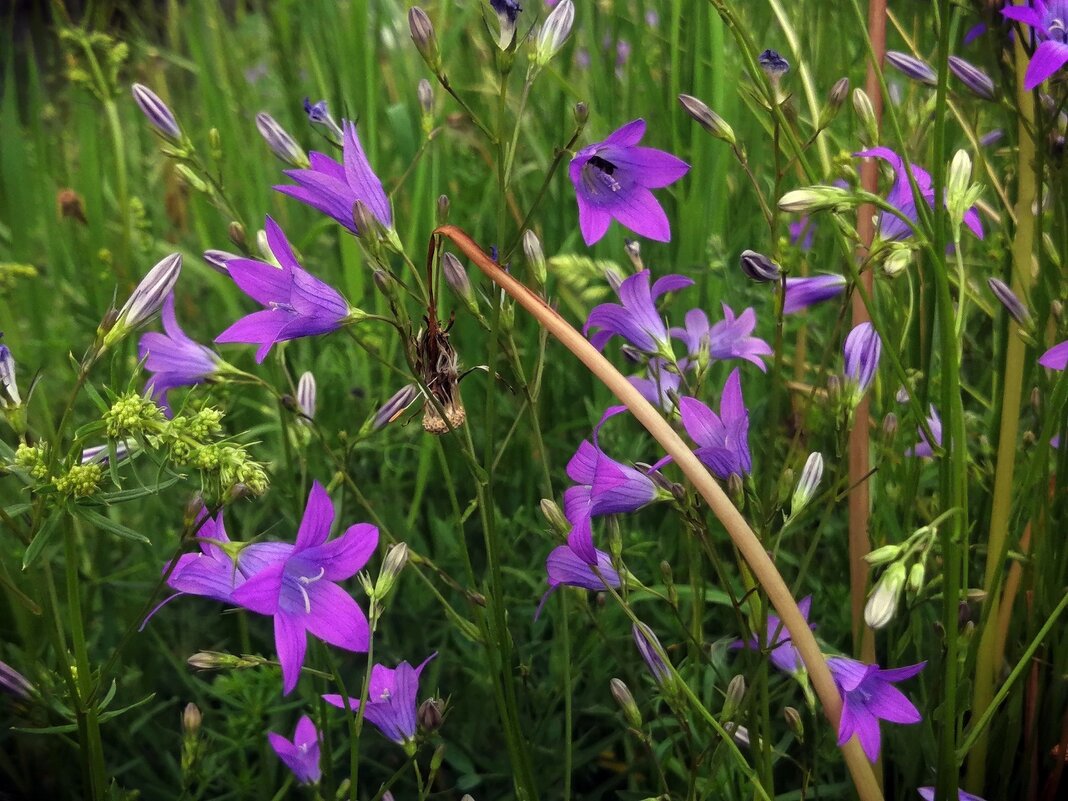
291,643
1049,57
1056,358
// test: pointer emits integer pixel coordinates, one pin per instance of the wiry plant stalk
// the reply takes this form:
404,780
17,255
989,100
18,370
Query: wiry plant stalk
741,534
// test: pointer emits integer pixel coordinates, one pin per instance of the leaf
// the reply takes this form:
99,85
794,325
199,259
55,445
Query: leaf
122,496
43,536
118,529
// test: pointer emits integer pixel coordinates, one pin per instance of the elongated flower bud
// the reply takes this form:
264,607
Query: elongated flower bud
217,259
866,114
621,692
456,278
13,682
426,42
392,565
708,119
157,112
395,406
732,701
650,649
554,33
535,257
758,267
146,299
773,64
280,142
977,81
815,198
425,92
9,388
917,573
882,603
809,482
912,67
863,348
191,719
883,555
443,209
1012,304
794,722
554,517
835,99
306,393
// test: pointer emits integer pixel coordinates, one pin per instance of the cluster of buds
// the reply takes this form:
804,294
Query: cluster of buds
905,571
80,480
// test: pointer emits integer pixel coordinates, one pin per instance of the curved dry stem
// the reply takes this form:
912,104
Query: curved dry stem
745,540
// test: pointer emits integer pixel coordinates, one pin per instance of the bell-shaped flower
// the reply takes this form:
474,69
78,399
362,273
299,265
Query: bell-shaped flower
301,590
564,566
173,358
635,318
1048,20
296,303
301,754
613,178
868,696
392,700
722,439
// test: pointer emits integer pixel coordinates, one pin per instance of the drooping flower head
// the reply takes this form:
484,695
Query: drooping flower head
892,227
173,358
804,292
301,754
722,439
868,696
392,700
1048,20
300,588
296,303
636,318
777,642
613,178
334,188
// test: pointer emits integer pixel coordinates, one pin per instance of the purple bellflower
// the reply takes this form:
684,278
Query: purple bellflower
862,350
777,642
924,447
1048,20
613,178
334,188
301,754
804,292
173,358
637,319
564,566
297,304
1056,358
928,794
722,439
731,338
300,589
892,227
392,699
868,696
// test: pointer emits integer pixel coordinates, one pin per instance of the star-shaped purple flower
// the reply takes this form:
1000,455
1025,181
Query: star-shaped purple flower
808,291
173,358
636,318
731,338
392,698
301,754
1056,358
777,642
1048,21
300,590
901,198
297,304
868,696
613,178
334,188
722,439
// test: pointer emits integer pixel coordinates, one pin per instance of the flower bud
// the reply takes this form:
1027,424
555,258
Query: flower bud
582,112
1012,304
216,660
977,81
306,392
708,119
456,278
395,406
280,142
732,702
897,260
146,299
443,209
368,228
917,574
235,232
815,198
835,99
912,67
890,425
157,112
758,267
633,249
883,555
738,733
991,137
882,603
14,683
866,113
794,722
425,92
773,64
9,389
392,565
553,33
535,257
507,15
810,480
191,719
623,697
736,489
423,35
192,180
430,714
216,259
862,351
653,653
554,517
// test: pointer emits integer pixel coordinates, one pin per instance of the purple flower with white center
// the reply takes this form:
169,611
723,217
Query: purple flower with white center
392,700
507,13
862,350
334,188
1056,358
659,383
928,794
722,439
923,447
804,292
301,754
300,589
891,226
777,642
650,649
173,358
1049,24
297,304
868,696
636,318
613,178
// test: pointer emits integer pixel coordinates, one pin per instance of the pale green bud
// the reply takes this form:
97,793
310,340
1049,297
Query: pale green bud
882,603
883,555
553,33
815,198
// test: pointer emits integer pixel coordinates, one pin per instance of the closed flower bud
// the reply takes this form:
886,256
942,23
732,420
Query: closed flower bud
425,93
862,351
392,565
738,733
582,112
890,425
214,660
815,198
554,517
395,406
423,35
430,714
977,81
306,394
736,489
866,114
960,193
535,257
897,260
235,232
367,225
157,112
882,603
773,64
653,653
216,259
839,92
917,574
708,119
13,682
554,33
443,209
280,142
758,267
732,702
623,697
456,278
883,555
192,180
794,722
146,299
1012,304
810,480
191,719
912,67
633,249
9,389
